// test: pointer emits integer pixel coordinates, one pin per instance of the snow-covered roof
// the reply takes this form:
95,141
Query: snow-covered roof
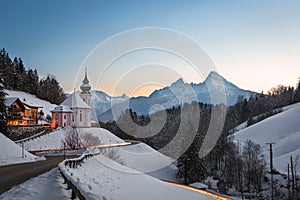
10,100
74,101
62,108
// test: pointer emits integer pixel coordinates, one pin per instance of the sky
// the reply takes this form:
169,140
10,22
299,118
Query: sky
254,44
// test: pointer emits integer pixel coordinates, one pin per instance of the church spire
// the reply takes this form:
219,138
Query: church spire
85,77
85,87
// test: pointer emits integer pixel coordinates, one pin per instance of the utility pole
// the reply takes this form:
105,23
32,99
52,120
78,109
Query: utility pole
271,170
293,179
64,150
23,149
289,182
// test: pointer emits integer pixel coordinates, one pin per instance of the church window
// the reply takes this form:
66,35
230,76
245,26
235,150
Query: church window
80,116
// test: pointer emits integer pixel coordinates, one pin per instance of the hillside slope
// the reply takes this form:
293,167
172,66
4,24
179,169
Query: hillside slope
282,129
11,153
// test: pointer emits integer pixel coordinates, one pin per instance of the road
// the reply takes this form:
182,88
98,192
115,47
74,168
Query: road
15,174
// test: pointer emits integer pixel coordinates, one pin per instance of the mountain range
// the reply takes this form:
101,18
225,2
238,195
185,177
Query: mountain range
215,89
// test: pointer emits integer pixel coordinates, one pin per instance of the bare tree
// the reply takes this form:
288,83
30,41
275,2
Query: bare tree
72,139
254,166
88,140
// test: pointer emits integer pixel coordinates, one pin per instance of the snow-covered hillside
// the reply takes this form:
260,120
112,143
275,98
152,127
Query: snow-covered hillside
32,100
11,153
143,158
55,139
103,178
283,129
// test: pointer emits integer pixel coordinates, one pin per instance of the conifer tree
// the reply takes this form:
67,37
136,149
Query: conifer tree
3,114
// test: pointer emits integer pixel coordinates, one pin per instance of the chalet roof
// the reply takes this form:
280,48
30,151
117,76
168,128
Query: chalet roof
74,101
62,108
9,101
31,106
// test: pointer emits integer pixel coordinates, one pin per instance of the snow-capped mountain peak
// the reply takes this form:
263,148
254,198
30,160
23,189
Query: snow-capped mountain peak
178,83
179,92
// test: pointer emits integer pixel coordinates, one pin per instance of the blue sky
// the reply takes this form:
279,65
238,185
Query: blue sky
254,44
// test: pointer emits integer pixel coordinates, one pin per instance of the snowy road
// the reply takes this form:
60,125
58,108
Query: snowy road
19,173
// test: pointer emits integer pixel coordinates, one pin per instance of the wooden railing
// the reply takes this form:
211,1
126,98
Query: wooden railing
74,163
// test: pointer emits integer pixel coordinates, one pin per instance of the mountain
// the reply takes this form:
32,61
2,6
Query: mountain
214,90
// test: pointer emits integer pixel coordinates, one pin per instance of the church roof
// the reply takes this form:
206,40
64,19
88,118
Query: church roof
62,108
74,101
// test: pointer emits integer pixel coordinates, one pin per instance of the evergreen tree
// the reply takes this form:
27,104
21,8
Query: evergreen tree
3,114
49,89
296,97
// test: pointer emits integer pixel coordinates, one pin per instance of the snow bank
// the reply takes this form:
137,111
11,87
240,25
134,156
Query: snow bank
11,153
283,129
103,178
48,186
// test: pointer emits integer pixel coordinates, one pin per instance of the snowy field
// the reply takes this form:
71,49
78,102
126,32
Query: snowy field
103,178
283,129
11,153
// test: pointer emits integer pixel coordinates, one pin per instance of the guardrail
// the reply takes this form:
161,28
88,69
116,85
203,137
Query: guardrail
74,163
44,132
75,192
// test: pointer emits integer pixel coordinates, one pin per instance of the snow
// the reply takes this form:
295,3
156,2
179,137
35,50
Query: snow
75,101
199,185
54,139
11,153
102,178
47,186
283,129
144,158
32,100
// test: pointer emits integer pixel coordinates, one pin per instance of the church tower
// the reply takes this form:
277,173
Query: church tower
85,90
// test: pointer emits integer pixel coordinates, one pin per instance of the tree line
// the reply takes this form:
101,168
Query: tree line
15,76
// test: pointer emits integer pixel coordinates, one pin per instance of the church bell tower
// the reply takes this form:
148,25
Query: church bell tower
85,90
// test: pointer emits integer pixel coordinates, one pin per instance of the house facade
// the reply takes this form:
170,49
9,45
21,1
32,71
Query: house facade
75,111
20,113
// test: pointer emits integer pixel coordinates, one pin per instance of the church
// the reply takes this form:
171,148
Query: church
76,110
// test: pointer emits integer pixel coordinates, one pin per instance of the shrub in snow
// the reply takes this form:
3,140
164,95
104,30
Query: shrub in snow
88,140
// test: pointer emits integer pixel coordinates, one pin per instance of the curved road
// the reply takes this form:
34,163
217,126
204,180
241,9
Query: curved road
16,174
